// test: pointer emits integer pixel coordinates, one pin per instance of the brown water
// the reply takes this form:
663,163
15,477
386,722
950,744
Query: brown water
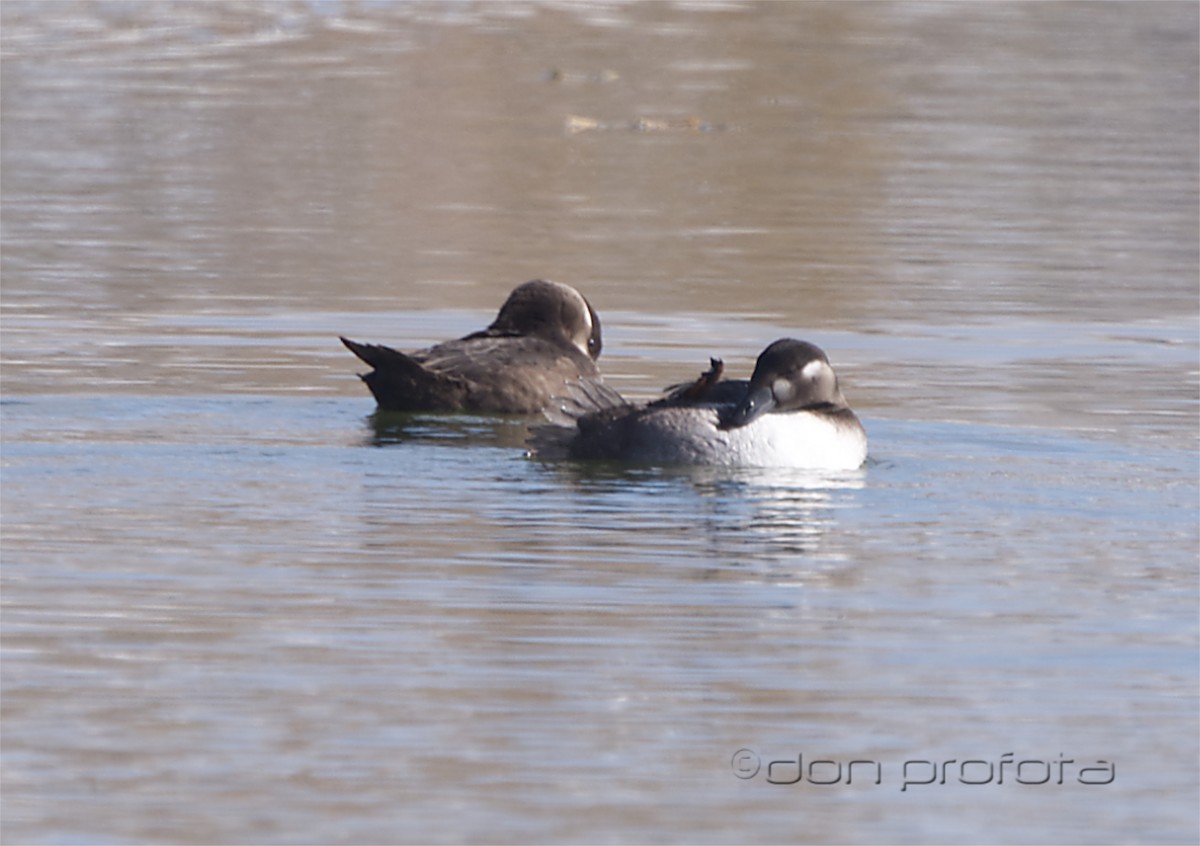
238,609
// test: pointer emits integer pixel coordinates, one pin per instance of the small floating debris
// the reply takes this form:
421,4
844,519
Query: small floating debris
577,123
576,77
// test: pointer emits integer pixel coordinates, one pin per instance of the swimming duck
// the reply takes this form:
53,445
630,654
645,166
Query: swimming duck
790,414
545,335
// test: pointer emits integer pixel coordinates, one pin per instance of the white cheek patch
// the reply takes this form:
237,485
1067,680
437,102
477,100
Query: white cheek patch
585,336
783,390
587,314
813,369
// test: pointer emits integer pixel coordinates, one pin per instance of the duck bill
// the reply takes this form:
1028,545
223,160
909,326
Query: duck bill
757,402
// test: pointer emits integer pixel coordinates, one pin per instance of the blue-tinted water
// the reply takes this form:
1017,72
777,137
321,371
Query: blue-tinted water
240,607
295,590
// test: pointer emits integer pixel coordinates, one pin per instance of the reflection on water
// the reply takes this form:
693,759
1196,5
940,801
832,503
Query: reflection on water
390,428
239,606
742,515
892,163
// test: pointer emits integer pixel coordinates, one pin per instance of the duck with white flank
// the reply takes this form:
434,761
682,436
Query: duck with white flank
790,414
545,336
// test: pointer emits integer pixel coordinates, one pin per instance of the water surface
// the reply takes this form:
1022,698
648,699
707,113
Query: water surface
240,607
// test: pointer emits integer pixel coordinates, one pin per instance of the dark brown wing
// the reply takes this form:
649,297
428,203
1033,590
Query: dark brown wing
485,373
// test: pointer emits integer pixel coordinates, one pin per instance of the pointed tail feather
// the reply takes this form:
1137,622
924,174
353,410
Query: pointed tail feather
401,383
378,355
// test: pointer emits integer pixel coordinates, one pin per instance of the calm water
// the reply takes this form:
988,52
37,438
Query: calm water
237,607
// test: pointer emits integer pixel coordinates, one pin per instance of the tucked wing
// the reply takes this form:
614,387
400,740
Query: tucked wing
510,374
